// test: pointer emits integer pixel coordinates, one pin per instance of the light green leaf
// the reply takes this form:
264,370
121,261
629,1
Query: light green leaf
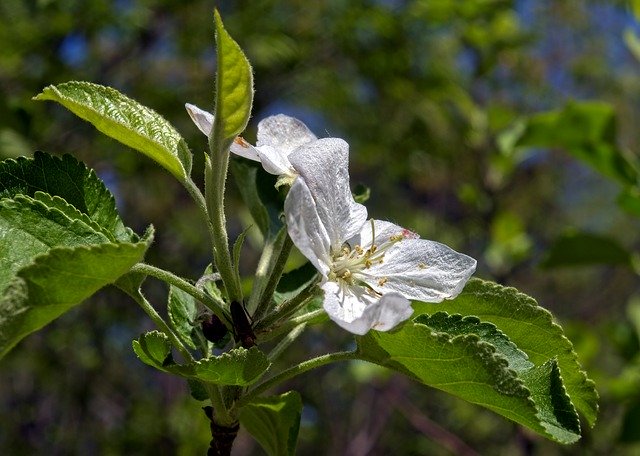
585,249
183,310
153,348
586,130
234,86
274,421
40,292
238,366
475,361
124,120
70,180
531,328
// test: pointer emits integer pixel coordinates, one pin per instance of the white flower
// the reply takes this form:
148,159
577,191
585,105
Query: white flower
278,136
370,269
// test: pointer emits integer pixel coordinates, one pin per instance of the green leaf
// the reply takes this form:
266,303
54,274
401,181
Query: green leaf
153,348
183,311
29,228
585,249
293,282
531,328
234,85
477,362
586,130
40,292
259,194
239,366
274,421
70,180
124,120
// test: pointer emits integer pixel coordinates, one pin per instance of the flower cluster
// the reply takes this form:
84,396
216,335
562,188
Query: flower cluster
370,269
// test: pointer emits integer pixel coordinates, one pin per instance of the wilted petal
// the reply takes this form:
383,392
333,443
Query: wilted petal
283,133
323,164
202,119
416,268
305,227
356,311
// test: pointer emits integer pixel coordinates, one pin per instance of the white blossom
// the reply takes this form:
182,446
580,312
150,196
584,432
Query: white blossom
278,137
370,269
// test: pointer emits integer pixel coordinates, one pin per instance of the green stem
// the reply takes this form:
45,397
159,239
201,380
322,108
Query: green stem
200,201
286,341
310,318
162,325
272,262
294,371
215,180
214,305
288,307
222,415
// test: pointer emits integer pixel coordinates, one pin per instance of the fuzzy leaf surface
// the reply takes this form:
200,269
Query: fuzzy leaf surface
63,182
475,361
239,366
531,328
40,291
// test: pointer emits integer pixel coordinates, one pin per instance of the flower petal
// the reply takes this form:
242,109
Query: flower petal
242,148
323,164
358,312
202,119
283,133
305,227
274,160
416,268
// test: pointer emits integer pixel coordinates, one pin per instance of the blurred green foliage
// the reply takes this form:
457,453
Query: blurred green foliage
466,120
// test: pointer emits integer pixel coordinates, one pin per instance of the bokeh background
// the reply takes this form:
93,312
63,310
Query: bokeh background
440,102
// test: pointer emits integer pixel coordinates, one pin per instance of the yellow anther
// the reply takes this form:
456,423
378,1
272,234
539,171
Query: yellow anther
422,266
382,281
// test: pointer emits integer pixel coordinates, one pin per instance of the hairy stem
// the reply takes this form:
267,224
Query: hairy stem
161,324
287,308
215,180
272,261
212,304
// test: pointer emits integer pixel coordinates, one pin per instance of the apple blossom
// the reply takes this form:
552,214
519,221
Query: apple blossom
370,268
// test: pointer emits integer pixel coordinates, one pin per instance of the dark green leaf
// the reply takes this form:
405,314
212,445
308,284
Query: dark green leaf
259,194
274,421
183,310
531,328
585,249
124,120
40,292
475,361
68,179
